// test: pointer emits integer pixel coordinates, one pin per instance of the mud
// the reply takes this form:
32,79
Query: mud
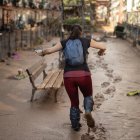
98,100
117,79
105,84
98,133
110,90
116,115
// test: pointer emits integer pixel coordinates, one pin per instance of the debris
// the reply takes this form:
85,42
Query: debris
110,90
109,75
15,56
98,99
20,75
98,133
2,60
117,79
133,93
105,84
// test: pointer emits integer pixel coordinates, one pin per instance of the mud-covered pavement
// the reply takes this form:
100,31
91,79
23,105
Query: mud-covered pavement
117,115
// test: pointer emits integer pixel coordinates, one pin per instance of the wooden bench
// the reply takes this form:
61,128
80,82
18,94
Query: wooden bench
52,80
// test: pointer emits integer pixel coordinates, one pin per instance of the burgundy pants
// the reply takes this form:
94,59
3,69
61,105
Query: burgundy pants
73,83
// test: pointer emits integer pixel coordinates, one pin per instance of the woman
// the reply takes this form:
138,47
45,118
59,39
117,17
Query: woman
77,74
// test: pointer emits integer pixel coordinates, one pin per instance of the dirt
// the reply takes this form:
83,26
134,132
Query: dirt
116,115
105,84
109,89
98,133
117,79
98,99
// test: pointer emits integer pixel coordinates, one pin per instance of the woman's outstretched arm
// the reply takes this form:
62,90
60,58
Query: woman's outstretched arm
98,45
53,49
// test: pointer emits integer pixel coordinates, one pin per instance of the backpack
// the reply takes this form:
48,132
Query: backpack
74,52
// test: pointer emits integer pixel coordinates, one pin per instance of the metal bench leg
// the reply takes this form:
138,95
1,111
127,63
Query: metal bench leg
33,92
56,91
55,96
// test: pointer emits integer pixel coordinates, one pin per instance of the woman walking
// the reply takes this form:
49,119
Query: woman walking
77,74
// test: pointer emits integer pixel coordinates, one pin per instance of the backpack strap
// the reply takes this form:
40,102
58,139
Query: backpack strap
84,50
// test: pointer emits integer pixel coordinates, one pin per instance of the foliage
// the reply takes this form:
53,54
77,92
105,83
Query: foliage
72,2
39,41
77,20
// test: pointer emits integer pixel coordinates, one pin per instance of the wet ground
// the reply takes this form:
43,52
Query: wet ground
117,115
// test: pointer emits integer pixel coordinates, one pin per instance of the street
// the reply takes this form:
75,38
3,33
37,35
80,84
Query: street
117,115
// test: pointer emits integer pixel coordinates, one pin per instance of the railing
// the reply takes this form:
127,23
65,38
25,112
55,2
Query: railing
132,26
22,39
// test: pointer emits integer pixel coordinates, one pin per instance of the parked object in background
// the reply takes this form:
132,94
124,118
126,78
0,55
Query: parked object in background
1,2
119,31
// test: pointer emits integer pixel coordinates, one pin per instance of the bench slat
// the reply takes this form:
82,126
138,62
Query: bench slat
38,71
35,66
53,79
46,80
59,80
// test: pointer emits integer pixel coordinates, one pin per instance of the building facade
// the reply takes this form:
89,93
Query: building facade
26,22
124,11
117,11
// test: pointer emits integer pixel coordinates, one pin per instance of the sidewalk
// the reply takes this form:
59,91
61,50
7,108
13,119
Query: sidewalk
116,115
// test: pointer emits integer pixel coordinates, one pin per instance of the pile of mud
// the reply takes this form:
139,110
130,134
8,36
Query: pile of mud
98,133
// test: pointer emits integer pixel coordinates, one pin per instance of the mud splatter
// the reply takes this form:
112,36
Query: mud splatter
110,71
110,90
104,66
98,61
98,99
110,75
117,78
105,84
98,133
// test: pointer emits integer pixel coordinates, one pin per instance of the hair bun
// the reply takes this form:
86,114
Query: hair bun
76,26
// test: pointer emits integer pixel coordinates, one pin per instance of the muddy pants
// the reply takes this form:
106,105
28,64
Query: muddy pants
85,85
72,83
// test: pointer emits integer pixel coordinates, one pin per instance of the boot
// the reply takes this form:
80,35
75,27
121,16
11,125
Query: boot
75,118
90,120
88,106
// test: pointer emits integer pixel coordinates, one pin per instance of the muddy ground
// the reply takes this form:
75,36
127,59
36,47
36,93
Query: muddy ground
114,75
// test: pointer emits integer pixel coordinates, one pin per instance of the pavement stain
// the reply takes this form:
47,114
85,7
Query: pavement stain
97,133
6,107
105,84
110,115
16,98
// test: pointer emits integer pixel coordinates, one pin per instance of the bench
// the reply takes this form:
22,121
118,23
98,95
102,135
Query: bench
52,80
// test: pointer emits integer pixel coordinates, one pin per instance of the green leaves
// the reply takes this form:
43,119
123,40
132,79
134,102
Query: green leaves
72,2
76,20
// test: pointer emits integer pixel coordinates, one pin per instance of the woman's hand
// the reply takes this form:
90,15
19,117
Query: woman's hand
40,52
50,50
101,52
98,45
